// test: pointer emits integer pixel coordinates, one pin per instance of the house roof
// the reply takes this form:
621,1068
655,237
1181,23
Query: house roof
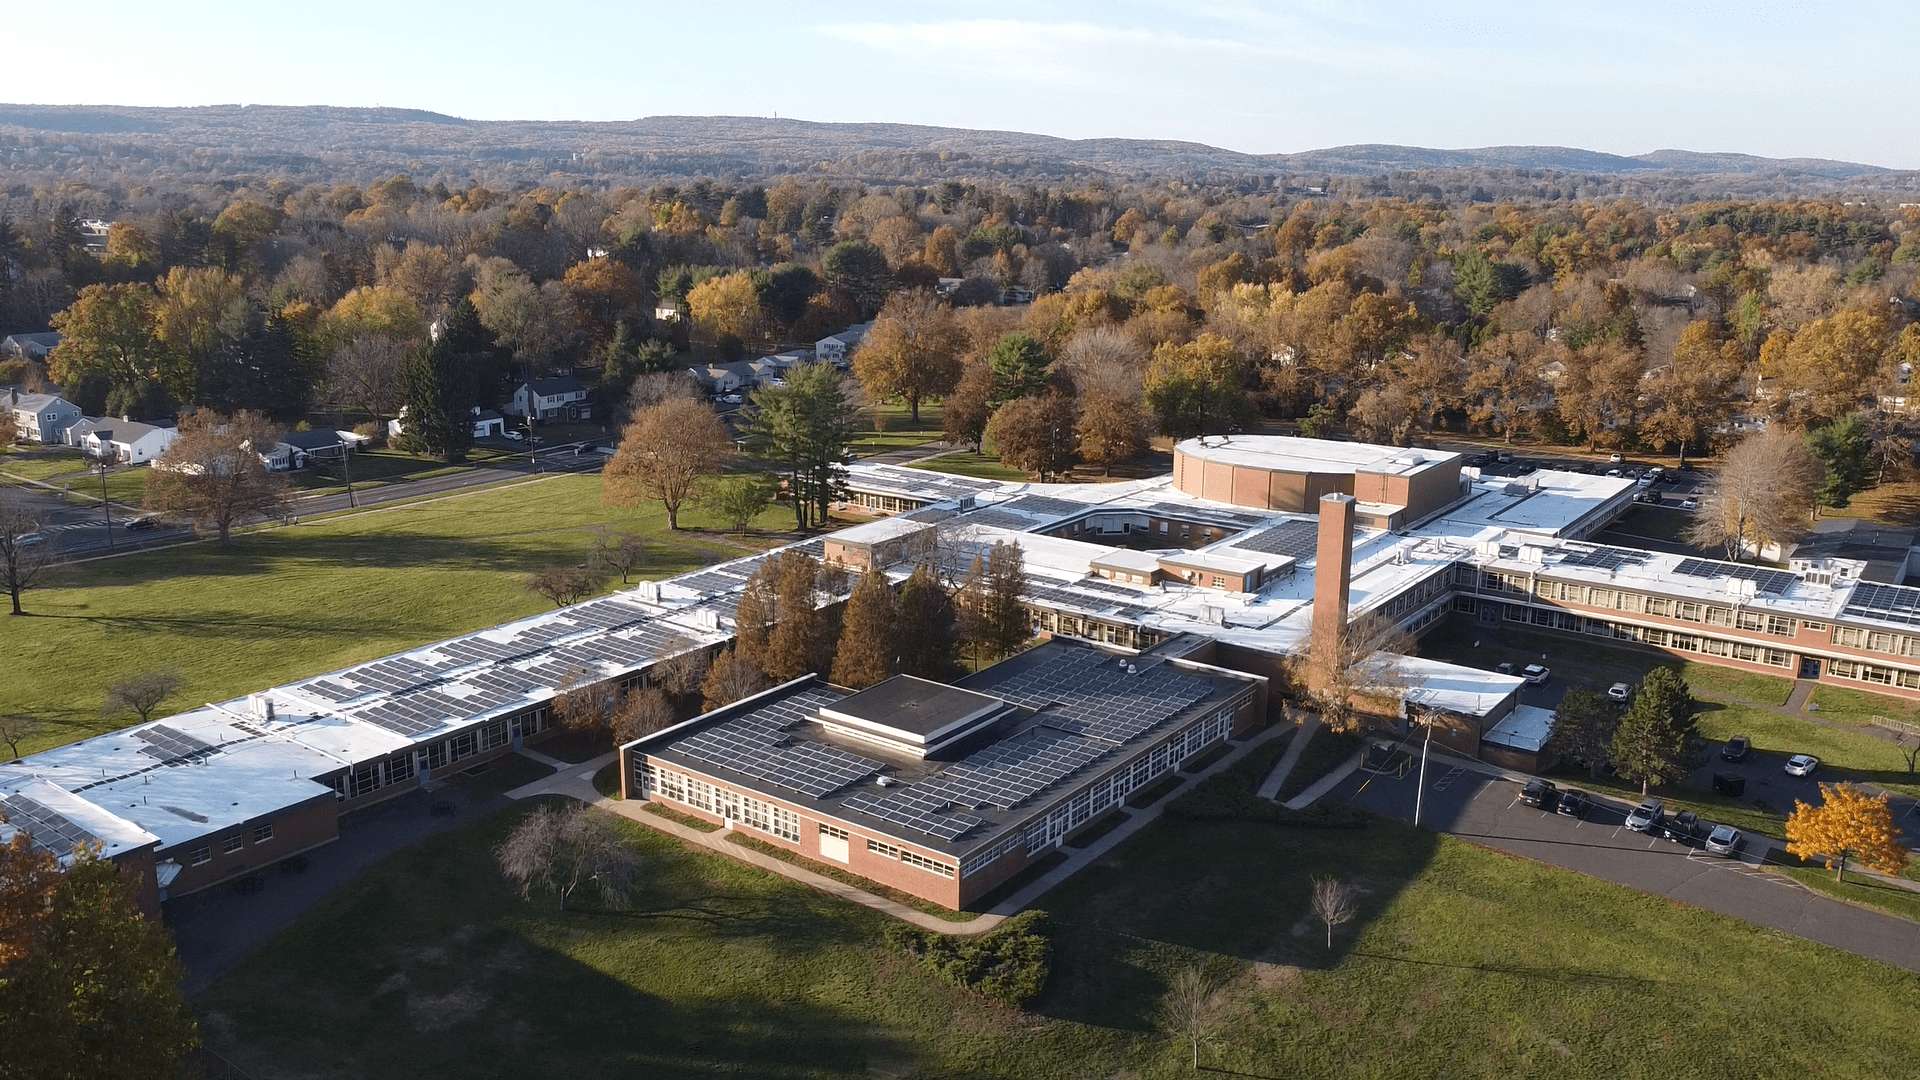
126,432
47,339
317,439
563,384
37,402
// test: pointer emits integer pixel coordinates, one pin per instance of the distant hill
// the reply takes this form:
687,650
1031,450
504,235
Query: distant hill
325,142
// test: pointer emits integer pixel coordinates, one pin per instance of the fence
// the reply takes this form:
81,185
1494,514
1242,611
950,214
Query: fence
1904,727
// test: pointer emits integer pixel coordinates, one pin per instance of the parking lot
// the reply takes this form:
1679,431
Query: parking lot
1465,800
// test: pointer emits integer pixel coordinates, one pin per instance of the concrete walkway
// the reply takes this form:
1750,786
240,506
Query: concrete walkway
1270,788
576,782
1326,783
1802,692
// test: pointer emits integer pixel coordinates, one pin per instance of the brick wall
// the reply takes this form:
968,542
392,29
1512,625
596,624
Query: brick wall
308,825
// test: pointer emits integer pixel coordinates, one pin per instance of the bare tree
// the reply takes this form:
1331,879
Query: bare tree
1759,496
651,388
564,848
684,668
665,453
585,701
1191,1007
24,554
364,371
1362,673
731,678
15,729
642,712
622,551
564,584
1334,904
142,693
214,476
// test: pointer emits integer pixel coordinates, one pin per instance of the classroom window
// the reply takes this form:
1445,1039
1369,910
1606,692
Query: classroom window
232,844
200,856
263,833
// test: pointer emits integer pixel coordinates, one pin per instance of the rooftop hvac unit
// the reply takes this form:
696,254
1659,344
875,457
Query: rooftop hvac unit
707,619
648,591
965,502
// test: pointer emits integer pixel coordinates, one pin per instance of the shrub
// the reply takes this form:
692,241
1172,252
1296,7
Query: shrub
1009,965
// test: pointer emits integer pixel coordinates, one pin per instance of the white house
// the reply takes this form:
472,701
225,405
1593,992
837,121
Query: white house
29,346
127,441
487,423
41,418
838,348
562,398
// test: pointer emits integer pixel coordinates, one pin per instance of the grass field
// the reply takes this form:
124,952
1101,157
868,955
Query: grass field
965,463
1859,706
290,603
1462,963
1858,889
1593,663
889,427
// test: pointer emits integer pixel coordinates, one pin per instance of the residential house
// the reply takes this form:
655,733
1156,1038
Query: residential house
41,418
127,441
838,349
669,311
29,346
488,424
560,398
320,444
731,378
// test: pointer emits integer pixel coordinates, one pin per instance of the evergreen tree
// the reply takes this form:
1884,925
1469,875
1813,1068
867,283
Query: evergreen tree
1583,729
806,427
802,639
869,635
928,639
1657,740
1843,448
759,608
439,383
1020,367
996,623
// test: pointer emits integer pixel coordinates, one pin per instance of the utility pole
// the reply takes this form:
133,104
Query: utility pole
106,508
346,468
1420,793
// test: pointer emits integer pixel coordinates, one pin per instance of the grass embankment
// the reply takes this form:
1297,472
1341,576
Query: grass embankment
290,603
1860,707
1462,962
845,877
966,463
1858,889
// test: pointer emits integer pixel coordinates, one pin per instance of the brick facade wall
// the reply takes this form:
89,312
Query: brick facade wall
308,825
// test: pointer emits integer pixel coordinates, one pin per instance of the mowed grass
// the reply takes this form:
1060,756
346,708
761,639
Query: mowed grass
1461,963
1858,889
967,463
1860,707
1595,663
891,427
289,603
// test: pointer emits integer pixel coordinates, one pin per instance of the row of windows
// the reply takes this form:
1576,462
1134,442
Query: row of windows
1662,637
910,857
1623,600
1112,790
1871,673
1879,641
725,802
200,856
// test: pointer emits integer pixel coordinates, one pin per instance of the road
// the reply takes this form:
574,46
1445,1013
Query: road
553,459
1463,800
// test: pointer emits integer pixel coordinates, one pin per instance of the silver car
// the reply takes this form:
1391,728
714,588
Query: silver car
1802,765
1723,840
1645,816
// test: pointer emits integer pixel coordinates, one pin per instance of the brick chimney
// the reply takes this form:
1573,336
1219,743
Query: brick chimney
1332,577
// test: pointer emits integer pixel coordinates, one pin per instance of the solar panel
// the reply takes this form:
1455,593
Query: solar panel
1000,519
1045,506
1886,603
1768,581
757,744
1604,558
1298,539
49,829
169,745
916,809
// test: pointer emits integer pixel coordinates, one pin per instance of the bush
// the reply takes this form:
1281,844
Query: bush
1009,965
372,429
1231,795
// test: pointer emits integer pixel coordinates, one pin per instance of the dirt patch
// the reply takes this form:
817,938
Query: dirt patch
438,1012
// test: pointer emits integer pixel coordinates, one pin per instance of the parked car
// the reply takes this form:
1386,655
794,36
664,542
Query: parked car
1503,668
1619,692
1537,674
1802,765
1723,840
1574,804
1682,828
1646,816
1737,748
1645,497
139,524
1616,458
1646,481
1689,504
731,399
516,436
1615,473
1540,793
30,539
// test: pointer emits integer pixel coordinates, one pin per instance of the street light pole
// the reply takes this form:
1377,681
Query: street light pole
1420,793
346,469
106,508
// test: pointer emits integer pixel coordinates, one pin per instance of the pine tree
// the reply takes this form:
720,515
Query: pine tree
995,622
439,383
802,640
1657,739
731,678
869,635
929,630
1020,367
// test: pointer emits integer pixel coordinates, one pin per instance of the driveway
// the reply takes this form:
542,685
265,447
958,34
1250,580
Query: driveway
1465,801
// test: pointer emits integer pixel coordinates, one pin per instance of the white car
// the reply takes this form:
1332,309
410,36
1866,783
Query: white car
1689,504
1536,674
29,539
1619,692
1802,765
1645,816
517,436
1723,840
1616,458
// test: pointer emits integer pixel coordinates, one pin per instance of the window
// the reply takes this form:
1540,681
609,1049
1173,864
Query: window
1780,627
911,858
1658,606
232,843
834,831
200,856
1688,610
263,833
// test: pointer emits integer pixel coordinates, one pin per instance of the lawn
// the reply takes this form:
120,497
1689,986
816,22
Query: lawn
1655,523
1860,707
42,464
289,603
965,463
1737,685
373,468
890,427
1462,963
1858,889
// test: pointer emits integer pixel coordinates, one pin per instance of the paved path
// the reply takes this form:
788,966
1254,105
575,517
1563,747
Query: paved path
1270,788
1479,803
576,782
1802,692
1326,783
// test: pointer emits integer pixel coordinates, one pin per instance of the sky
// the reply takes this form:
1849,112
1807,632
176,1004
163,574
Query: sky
1814,78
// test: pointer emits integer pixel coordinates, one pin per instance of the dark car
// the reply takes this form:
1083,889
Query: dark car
1574,804
1682,828
139,524
1540,793
1737,748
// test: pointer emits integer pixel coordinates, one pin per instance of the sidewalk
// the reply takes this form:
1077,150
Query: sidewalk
1270,788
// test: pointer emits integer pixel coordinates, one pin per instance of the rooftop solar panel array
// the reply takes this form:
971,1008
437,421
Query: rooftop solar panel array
1097,698
49,829
1297,539
1045,506
916,483
916,808
758,744
171,746
1604,558
1769,582
1887,603
1199,513
1000,519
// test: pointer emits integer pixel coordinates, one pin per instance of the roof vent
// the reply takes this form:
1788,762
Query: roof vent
1132,670
883,781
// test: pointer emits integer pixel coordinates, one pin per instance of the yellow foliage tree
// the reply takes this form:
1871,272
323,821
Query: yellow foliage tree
726,306
1849,824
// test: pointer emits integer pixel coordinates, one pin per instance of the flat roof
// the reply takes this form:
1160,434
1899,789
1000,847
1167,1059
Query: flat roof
1132,560
911,709
1546,501
1287,453
1526,728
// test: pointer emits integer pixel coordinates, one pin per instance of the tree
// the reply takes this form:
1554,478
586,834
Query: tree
1695,394
969,408
1657,740
533,322
858,270
731,678
1583,729
806,427
1112,427
1196,388
582,701
564,584
563,848
622,551
1334,903
97,992
1849,823
606,294
15,730
1832,366
364,371
29,877
927,638
683,668
1843,449
213,474
1764,485
869,635
1036,434
1356,669
141,694
727,306
440,384
664,454
1191,1006
994,621
912,352
1482,284
788,288
643,711
799,638
1020,367
1505,389
740,498
108,331
24,554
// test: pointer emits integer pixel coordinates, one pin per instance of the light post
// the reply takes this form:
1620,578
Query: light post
1420,793
100,462
346,469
